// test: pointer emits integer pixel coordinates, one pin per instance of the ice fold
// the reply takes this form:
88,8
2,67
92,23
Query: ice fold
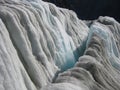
45,38
38,40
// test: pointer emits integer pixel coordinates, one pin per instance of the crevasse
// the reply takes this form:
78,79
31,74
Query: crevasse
38,40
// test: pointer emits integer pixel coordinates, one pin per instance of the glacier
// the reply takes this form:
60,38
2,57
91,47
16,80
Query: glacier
44,47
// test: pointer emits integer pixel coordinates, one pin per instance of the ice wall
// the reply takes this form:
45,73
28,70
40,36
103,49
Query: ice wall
38,40
98,68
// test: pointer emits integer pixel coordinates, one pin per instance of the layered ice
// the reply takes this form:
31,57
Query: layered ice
38,40
98,68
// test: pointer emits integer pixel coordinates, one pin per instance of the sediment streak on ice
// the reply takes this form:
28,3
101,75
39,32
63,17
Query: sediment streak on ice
38,39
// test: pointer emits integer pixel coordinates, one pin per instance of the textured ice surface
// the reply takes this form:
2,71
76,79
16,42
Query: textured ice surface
38,39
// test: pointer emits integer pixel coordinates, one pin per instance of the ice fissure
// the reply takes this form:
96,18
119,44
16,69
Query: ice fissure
38,40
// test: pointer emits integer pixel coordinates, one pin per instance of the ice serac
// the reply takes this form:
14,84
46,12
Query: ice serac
38,40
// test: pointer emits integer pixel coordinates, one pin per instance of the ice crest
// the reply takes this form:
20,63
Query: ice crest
44,47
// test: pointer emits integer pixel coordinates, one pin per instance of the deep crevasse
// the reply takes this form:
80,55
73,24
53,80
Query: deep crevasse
38,39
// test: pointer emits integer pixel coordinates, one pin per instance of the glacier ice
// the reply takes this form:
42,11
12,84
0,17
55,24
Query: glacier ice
39,40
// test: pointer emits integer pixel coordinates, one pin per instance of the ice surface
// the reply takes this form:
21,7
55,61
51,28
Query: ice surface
45,40
39,40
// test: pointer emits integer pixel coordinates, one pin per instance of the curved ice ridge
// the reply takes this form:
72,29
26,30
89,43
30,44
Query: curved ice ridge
38,39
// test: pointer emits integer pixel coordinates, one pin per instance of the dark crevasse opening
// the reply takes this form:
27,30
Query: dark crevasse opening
77,53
